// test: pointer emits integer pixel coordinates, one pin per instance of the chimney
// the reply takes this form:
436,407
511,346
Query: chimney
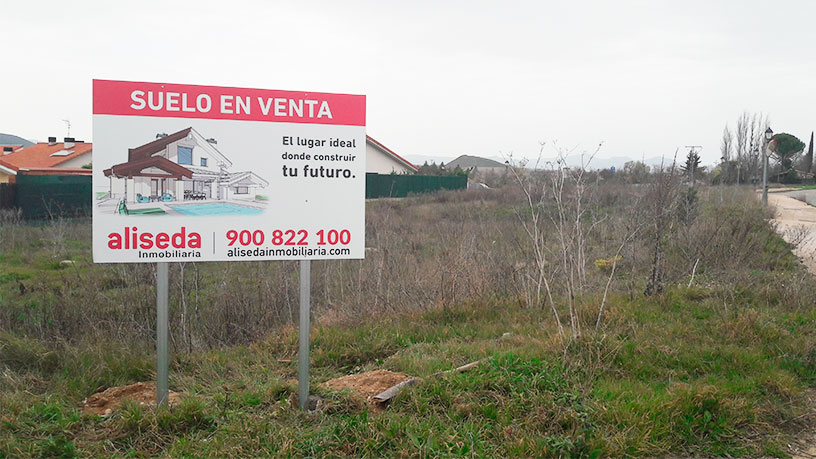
52,141
69,142
8,150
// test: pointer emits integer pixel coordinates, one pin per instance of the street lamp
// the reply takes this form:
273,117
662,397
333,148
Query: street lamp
768,137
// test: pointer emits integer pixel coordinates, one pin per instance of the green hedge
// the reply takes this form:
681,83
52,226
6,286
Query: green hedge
399,186
47,196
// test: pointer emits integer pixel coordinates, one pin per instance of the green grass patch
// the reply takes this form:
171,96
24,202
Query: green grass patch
689,379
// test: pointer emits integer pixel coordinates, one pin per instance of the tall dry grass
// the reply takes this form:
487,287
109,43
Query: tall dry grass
422,252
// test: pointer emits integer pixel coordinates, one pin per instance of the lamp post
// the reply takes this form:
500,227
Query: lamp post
768,137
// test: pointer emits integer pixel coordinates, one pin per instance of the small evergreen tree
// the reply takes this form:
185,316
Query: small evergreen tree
692,165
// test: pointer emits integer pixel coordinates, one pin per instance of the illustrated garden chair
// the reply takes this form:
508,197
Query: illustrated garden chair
122,208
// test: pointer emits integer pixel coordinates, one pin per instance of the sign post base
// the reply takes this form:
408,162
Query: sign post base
162,370
303,334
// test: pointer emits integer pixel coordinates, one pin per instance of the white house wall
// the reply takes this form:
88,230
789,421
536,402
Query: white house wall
131,190
78,162
140,186
117,186
249,195
252,189
179,186
382,163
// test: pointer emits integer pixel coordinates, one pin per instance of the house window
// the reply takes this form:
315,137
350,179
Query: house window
203,162
185,155
242,190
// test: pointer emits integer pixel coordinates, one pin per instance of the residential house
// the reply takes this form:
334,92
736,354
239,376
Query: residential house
381,160
179,166
70,157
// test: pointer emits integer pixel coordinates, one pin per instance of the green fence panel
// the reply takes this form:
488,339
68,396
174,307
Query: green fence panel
399,186
7,192
49,196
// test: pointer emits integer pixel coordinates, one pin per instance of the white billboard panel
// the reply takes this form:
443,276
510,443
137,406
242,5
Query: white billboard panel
203,173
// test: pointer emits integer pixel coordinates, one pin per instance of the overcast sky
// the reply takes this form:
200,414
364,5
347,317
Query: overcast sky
441,78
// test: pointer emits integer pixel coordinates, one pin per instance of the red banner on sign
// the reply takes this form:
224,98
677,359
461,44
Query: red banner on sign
224,103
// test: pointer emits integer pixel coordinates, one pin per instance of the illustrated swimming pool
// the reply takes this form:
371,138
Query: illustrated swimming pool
216,208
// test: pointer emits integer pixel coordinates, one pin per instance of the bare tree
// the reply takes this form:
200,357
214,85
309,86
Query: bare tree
534,229
741,148
727,144
742,142
756,141
662,200
561,194
569,190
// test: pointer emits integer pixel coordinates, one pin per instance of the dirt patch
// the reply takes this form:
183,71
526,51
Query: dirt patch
368,384
109,400
796,223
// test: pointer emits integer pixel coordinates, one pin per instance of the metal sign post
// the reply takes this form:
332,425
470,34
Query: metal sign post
162,282
303,334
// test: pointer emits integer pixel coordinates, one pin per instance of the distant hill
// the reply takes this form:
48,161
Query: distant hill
8,139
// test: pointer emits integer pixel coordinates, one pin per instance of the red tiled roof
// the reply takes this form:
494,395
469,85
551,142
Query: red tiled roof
147,150
388,150
39,155
7,165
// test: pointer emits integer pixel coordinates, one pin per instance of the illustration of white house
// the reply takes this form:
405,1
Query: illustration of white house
183,166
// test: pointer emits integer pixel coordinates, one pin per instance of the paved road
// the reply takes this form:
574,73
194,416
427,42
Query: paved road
796,222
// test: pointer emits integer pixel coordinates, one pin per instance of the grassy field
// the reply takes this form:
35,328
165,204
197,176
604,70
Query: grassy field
723,367
678,374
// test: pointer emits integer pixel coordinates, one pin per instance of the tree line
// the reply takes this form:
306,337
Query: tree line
742,149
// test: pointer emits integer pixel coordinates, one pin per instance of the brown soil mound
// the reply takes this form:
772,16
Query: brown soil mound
367,384
109,400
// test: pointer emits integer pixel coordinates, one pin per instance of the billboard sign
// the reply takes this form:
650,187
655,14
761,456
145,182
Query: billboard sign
206,173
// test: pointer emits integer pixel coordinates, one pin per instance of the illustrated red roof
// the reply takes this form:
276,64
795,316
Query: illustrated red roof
134,168
394,155
148,149
41,155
